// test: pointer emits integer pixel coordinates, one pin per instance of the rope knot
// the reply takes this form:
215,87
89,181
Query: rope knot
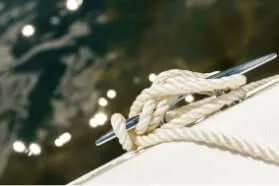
153,104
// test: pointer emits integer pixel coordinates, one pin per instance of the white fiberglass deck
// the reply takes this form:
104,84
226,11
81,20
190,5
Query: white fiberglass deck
255,119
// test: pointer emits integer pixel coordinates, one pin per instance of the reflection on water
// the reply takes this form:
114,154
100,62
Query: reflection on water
66,67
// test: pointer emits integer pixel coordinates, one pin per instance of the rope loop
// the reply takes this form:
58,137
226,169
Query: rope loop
154,104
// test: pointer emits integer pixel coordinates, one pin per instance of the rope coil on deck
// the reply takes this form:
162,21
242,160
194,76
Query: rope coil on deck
154,103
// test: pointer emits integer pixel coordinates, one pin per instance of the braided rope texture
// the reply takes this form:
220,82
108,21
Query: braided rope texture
153,105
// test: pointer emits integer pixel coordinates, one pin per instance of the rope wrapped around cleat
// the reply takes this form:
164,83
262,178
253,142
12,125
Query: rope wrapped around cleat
158,123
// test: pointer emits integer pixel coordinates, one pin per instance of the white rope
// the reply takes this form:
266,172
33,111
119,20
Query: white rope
153,105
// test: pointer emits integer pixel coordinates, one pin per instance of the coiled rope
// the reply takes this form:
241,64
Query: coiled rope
154,103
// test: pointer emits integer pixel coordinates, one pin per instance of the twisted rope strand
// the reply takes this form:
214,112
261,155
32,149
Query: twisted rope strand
212,139
153,105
